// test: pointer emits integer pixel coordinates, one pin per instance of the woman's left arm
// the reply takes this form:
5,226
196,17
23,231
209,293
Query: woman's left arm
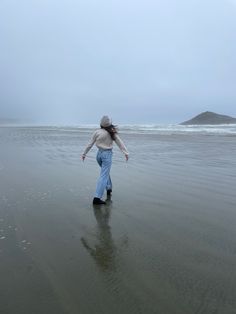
90,145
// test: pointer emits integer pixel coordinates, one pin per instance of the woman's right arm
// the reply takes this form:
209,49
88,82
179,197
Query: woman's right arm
121,146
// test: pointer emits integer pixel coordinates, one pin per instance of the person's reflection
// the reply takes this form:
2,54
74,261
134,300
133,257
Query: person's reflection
105,251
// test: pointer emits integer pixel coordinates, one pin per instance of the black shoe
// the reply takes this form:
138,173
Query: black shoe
109,192
98,201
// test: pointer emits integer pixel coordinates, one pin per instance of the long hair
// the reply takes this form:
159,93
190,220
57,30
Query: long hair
111,129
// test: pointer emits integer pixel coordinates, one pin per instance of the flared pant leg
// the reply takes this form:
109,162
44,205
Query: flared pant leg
104,159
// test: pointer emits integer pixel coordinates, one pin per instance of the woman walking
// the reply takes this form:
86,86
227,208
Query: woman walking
103,138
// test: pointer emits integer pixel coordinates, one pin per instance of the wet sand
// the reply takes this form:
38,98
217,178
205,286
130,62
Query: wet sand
165,243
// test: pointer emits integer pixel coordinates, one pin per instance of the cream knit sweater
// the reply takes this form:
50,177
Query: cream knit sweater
103,140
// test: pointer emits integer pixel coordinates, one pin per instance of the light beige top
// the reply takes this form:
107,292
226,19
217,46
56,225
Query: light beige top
103,140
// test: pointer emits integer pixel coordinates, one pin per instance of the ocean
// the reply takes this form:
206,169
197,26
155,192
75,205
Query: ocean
144,128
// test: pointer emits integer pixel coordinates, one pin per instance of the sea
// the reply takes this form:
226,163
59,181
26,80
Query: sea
168,129
180,129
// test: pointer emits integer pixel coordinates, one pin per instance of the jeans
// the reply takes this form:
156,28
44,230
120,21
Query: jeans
104,159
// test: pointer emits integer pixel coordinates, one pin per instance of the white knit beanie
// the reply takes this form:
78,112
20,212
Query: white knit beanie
105,121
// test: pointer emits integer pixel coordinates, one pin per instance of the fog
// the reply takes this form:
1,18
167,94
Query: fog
138,61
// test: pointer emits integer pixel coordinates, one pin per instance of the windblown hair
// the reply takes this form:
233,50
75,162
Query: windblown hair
111,129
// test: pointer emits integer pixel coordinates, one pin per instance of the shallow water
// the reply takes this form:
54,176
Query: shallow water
165,243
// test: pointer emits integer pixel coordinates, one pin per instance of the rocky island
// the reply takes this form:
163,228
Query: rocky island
209,117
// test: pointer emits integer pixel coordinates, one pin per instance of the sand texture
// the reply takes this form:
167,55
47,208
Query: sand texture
165,243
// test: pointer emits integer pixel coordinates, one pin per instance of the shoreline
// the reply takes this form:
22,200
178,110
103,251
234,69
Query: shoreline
167,239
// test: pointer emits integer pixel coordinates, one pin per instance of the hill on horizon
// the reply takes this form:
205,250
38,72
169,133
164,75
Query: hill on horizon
209,117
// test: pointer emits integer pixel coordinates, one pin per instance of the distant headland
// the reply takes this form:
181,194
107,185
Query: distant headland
209,117
8,121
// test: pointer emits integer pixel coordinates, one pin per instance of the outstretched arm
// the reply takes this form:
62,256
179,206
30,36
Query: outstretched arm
121,146
90,145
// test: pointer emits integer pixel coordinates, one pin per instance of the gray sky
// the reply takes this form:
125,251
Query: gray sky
149,61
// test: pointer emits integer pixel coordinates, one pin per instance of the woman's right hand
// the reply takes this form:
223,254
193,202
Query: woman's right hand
83,157
126,157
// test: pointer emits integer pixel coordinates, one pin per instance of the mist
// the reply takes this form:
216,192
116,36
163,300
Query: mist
140,62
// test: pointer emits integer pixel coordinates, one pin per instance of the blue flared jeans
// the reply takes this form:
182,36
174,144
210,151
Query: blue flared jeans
104,159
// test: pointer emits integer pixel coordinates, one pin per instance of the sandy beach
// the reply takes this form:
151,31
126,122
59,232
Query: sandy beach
165,243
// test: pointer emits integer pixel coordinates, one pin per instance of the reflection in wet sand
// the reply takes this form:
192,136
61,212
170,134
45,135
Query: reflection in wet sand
105,251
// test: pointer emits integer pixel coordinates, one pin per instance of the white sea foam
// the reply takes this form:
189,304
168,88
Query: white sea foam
175,128
171,128
143,128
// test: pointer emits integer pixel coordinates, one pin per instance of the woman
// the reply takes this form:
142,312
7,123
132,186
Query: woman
103,138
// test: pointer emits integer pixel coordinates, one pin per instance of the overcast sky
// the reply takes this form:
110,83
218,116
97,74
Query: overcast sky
149,61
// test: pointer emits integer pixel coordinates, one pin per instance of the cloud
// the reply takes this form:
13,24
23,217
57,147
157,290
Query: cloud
232,2
78,60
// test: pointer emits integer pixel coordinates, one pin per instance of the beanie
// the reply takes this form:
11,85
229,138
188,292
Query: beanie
105,121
